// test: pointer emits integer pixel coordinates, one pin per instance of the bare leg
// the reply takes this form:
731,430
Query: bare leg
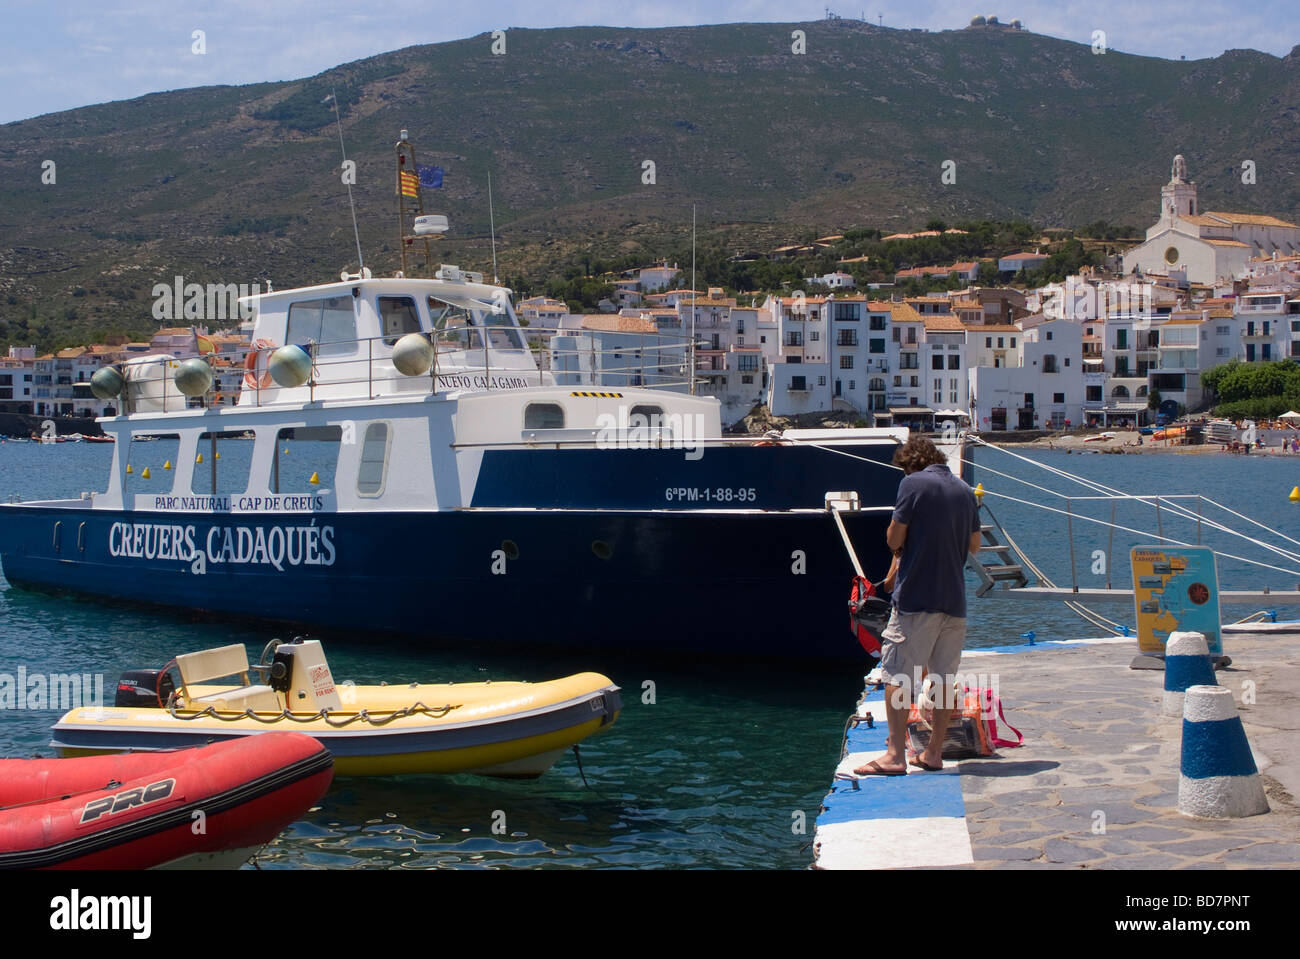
933,753
897,706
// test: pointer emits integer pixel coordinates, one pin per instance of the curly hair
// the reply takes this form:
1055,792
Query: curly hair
916,454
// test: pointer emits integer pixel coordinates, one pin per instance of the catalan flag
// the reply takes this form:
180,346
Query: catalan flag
408,184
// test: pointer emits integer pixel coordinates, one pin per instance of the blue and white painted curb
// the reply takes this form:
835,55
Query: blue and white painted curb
1219,778
1187,663
889,822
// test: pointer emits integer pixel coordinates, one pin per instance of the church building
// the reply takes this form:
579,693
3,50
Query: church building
1211,247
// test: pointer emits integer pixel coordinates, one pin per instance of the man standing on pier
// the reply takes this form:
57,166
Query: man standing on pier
934,527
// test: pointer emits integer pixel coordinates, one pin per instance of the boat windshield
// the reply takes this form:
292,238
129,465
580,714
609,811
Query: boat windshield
460,327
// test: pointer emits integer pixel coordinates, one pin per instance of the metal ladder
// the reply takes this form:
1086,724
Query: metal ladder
1007,570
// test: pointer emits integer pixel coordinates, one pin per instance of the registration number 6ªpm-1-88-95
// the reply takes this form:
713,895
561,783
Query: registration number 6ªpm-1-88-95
710,494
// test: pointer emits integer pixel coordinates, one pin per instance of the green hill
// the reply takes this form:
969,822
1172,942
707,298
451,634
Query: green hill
241,184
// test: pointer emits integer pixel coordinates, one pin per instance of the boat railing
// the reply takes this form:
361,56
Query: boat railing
649,361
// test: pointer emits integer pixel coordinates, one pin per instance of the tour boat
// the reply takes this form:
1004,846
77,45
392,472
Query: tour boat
503,729
212,805
399,462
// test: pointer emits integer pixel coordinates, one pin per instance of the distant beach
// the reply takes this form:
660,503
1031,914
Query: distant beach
1126,441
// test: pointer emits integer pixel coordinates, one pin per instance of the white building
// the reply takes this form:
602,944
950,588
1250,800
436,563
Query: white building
657,277
1210,247
18,379
838,280
1043,389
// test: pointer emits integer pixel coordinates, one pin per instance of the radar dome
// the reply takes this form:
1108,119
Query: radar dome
977,21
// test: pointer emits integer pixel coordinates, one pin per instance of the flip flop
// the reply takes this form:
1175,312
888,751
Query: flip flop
920,764
878,770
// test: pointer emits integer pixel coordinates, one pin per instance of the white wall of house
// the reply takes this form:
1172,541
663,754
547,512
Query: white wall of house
796,388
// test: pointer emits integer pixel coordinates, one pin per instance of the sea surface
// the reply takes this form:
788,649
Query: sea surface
729,761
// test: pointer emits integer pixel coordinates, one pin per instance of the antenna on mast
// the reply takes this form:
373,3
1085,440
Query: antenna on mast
692,299
492,225
424,228
361,262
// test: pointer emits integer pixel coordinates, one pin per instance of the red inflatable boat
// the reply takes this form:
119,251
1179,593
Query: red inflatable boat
206,806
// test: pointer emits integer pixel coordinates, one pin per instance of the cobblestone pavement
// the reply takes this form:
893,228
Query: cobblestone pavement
1096,785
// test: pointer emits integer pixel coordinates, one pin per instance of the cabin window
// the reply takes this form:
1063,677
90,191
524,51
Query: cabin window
651,418
223,463
374,460
305,459
501,330
649,412
397,317
543,416
157,453
330,322
453,329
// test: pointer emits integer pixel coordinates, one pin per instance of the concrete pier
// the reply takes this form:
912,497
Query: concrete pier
1096,784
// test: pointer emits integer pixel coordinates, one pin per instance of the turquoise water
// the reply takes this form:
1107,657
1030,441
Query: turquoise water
715,773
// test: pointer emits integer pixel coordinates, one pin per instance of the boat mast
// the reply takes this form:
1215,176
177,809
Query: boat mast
408,187
347,181
492,225
692,299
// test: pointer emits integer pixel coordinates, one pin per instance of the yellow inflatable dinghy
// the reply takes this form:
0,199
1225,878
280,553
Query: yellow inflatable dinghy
510,729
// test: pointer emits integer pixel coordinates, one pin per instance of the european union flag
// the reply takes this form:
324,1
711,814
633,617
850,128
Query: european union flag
430,176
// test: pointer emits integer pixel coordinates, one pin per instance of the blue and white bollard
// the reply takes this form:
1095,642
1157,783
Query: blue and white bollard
1187,663
1219,779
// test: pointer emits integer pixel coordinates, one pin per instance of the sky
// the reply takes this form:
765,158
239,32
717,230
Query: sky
60,54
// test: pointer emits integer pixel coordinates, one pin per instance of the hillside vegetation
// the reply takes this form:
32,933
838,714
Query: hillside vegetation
242,185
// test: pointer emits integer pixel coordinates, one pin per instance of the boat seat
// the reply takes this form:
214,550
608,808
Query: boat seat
224,661
259,698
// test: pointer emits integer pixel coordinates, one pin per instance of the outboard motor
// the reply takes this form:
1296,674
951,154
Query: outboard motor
141,688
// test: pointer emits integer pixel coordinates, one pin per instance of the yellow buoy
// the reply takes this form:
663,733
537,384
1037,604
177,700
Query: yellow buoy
167,465
979,490
315,480
199,458
217,454
145,473
1295,494
128,468
286,449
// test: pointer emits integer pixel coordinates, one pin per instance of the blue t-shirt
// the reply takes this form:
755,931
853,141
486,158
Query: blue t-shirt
940,512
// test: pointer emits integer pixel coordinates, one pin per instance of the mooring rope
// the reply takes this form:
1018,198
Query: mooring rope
234,716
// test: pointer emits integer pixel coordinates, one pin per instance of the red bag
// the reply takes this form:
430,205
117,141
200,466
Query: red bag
868,614
972,731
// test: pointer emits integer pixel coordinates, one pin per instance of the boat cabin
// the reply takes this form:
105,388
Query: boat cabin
350,329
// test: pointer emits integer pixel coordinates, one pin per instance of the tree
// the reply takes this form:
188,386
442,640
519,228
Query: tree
1154,399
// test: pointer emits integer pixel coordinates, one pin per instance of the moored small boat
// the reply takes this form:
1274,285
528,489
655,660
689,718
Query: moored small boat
207,806
508,729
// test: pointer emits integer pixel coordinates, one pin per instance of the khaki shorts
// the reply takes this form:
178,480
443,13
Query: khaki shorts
917,642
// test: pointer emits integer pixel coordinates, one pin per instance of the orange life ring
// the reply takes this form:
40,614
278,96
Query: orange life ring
251,379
